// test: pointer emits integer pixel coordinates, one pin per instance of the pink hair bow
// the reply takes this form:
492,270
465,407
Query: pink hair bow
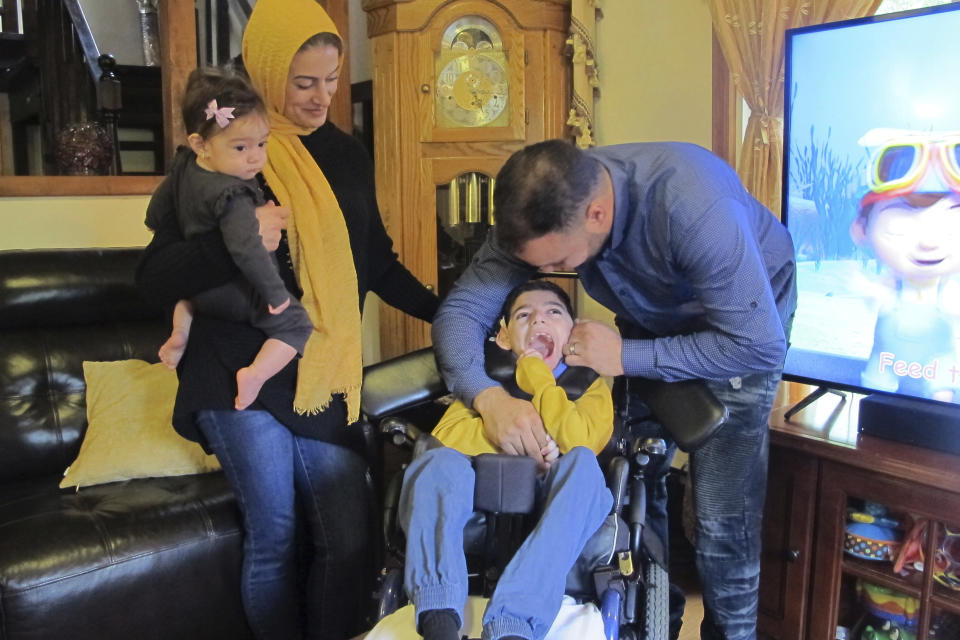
223,115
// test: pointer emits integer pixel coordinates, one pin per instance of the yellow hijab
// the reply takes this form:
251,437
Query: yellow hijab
317,232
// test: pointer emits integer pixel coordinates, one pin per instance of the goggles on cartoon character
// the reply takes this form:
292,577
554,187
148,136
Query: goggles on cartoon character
905,165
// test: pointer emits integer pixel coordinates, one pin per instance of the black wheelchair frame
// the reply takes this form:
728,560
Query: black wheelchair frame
403,394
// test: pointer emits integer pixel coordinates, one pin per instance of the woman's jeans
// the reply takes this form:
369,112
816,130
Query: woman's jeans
728,477
437,500
288,486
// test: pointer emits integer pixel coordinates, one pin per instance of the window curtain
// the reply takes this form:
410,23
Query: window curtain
581,48
751,36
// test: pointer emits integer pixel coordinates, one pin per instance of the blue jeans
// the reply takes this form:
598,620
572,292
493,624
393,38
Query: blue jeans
286,487
437,500
728,478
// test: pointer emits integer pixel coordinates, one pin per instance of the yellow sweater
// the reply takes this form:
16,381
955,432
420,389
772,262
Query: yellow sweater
585,422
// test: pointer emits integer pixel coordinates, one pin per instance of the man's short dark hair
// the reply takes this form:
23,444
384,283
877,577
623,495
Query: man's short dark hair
542,189
536,284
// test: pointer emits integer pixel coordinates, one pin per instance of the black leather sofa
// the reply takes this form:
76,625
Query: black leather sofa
140,559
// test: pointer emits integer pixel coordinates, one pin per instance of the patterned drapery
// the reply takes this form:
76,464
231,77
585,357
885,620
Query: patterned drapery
751,35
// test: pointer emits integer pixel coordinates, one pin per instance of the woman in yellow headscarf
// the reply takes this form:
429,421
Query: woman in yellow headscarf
291,455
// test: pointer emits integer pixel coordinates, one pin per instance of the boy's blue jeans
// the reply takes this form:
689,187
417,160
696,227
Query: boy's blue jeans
437,500
282,482
728,478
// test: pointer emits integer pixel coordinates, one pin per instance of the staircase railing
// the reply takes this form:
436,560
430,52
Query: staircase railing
84,37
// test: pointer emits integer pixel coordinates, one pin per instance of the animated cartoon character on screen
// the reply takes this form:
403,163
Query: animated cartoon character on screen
910,219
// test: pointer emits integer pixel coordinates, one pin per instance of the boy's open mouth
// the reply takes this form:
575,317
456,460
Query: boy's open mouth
542,343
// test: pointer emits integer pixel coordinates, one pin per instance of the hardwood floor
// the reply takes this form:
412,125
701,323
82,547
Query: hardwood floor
692,615
684,574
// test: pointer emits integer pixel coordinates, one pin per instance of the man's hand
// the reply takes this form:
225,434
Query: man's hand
273,220
595,345
511,424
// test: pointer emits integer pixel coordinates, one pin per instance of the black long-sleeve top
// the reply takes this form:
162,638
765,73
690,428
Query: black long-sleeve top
173,268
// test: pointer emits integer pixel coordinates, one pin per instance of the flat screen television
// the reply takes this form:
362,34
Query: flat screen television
872,199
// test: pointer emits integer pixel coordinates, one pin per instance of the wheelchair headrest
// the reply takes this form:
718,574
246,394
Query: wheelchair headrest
501,365
412,379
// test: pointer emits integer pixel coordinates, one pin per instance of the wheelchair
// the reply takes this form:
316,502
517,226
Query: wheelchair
403,398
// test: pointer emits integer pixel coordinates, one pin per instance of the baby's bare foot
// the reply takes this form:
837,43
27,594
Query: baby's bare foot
172,350
248,387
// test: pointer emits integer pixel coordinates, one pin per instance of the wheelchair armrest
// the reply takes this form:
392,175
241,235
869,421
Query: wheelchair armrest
687,409
394,385
618,475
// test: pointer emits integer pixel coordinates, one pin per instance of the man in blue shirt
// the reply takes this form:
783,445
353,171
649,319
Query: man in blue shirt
701,278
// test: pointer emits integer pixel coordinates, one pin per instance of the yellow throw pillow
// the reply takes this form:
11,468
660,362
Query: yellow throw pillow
129,427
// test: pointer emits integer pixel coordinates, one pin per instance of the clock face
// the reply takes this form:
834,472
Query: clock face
472,89
471,32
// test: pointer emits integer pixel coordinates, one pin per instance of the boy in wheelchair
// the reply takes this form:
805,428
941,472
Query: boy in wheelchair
572,498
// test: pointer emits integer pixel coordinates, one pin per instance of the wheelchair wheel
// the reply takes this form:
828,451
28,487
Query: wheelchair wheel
657,604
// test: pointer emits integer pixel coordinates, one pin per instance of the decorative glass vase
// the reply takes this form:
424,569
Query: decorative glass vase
84,149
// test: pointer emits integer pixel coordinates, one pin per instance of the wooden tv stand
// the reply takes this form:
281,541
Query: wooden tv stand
818,464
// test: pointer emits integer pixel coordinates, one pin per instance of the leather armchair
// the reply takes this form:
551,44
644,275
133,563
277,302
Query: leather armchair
148,558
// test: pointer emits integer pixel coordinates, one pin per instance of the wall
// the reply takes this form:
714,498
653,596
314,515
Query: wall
101,221
656,80
655,71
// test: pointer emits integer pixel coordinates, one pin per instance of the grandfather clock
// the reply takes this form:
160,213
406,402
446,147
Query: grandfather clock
458,85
